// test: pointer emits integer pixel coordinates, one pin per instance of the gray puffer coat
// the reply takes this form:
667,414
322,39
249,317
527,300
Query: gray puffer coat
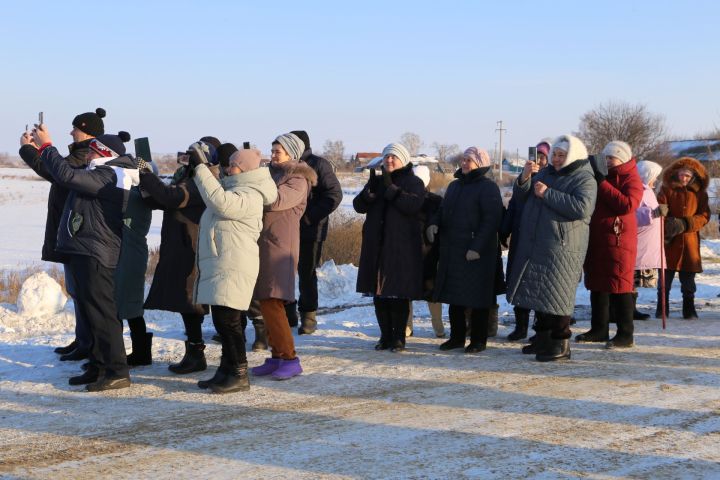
554,233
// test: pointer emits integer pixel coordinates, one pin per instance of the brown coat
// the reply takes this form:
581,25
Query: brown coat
280,236
691,203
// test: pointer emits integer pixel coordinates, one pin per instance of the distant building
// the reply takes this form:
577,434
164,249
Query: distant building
707,150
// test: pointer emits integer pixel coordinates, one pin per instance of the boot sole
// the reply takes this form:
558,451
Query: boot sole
553,359
113,386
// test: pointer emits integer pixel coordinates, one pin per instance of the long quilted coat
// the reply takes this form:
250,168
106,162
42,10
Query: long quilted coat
469,219
690,203
610,261
553,235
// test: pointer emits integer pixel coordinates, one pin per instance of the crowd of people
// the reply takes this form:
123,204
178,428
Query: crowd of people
236,234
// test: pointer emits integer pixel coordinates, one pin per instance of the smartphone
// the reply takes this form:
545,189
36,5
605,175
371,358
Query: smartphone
532,154
26,128
142,149
246,145
41,118
183,158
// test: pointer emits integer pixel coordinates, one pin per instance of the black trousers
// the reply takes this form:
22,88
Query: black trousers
310,252
95,296
392,315
687,283
230,324
83,333
559,325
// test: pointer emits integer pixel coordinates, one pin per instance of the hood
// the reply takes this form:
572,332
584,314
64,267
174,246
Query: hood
280,170
576,150
700,182
258,179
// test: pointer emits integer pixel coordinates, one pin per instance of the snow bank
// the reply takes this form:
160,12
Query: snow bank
336,285
40,295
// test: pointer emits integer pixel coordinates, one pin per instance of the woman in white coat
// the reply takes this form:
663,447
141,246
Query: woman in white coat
228,257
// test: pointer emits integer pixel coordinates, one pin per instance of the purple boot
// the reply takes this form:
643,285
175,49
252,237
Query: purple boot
270,365
288,369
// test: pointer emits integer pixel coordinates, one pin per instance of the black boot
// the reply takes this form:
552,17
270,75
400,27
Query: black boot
540,338
89,376
308,323
141,349
658,308
457,329
384,319
74,356
600,305
220,374
236,380
688,308
399,312
480,319
492,326
553,350
260,342
109,382
624,306
291,312
522,318
193,361
638,315
67,348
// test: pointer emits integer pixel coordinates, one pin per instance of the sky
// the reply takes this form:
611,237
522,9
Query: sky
360,72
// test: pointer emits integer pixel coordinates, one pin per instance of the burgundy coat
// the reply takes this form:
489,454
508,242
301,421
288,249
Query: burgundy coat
610,260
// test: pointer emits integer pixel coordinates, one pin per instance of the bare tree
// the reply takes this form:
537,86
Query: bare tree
444,150
633,124
334,151
412,142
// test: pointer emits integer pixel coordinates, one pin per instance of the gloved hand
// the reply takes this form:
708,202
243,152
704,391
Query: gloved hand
430,233
143,166
387,179
199,153
674,226
660,211
471,255
599,166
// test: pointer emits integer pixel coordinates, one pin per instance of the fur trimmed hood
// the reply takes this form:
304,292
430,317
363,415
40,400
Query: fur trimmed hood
576,149
699,183
294,168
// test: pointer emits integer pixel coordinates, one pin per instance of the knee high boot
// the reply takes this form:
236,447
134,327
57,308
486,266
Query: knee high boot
522,319
400,311
141,349
261,342
624,307
479,318
384,319
638,315
457,328
688,307
600,305
492,322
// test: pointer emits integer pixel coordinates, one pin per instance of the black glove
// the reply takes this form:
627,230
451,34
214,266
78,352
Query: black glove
660,211
674,226
198,154
599,167
387,179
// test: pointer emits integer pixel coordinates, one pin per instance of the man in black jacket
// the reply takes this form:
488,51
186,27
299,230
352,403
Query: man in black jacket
324,198
91,233
86,126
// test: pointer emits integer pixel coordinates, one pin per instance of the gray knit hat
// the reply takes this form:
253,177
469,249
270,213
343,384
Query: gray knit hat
399,151
292,145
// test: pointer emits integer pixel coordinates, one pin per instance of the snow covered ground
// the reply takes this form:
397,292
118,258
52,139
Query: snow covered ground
649,412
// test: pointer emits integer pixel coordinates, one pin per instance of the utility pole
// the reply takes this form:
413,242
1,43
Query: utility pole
500,129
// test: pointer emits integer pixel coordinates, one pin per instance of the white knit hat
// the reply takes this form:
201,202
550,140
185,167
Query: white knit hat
619,150
648,171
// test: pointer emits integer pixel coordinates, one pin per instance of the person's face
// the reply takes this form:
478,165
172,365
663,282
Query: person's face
558,158
78,135
278,154
231,170
467,164
392,163
612,162
541,159
685,176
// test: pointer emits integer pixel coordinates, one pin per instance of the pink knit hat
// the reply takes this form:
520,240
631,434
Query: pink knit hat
478,155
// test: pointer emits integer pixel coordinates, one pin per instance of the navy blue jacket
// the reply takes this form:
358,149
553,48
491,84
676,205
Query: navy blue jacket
324,198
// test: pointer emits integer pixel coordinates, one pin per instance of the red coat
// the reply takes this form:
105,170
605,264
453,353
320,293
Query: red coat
610,260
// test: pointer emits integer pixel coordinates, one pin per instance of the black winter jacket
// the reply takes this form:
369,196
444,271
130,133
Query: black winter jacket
323,200
57,195
91,223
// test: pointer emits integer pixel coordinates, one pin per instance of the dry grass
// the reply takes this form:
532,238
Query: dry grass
11,281
710,230
440,181
344,239
153,257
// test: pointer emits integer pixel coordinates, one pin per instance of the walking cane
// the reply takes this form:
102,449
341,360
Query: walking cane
662,268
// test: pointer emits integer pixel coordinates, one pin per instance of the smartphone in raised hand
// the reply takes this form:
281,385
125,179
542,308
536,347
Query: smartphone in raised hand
41,118
532,154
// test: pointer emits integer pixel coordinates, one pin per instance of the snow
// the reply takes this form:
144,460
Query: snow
648,412
40,295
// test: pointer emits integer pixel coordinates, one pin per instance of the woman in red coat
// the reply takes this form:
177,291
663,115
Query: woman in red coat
610,261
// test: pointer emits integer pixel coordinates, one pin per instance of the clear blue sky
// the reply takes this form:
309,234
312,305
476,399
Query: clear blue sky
361,72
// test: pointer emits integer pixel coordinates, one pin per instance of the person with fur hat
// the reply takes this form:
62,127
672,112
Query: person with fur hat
86,126
650,234
510,228
684,190
172,287
391,255
610,262
227,254
91,233
467,225
279,252
557,205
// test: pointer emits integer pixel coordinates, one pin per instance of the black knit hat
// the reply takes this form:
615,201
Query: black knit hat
112,142
210,140
224,152
302,135
91,123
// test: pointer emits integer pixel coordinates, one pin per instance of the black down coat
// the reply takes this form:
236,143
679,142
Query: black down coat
469,219
57,196
173,284
324,199
391,257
